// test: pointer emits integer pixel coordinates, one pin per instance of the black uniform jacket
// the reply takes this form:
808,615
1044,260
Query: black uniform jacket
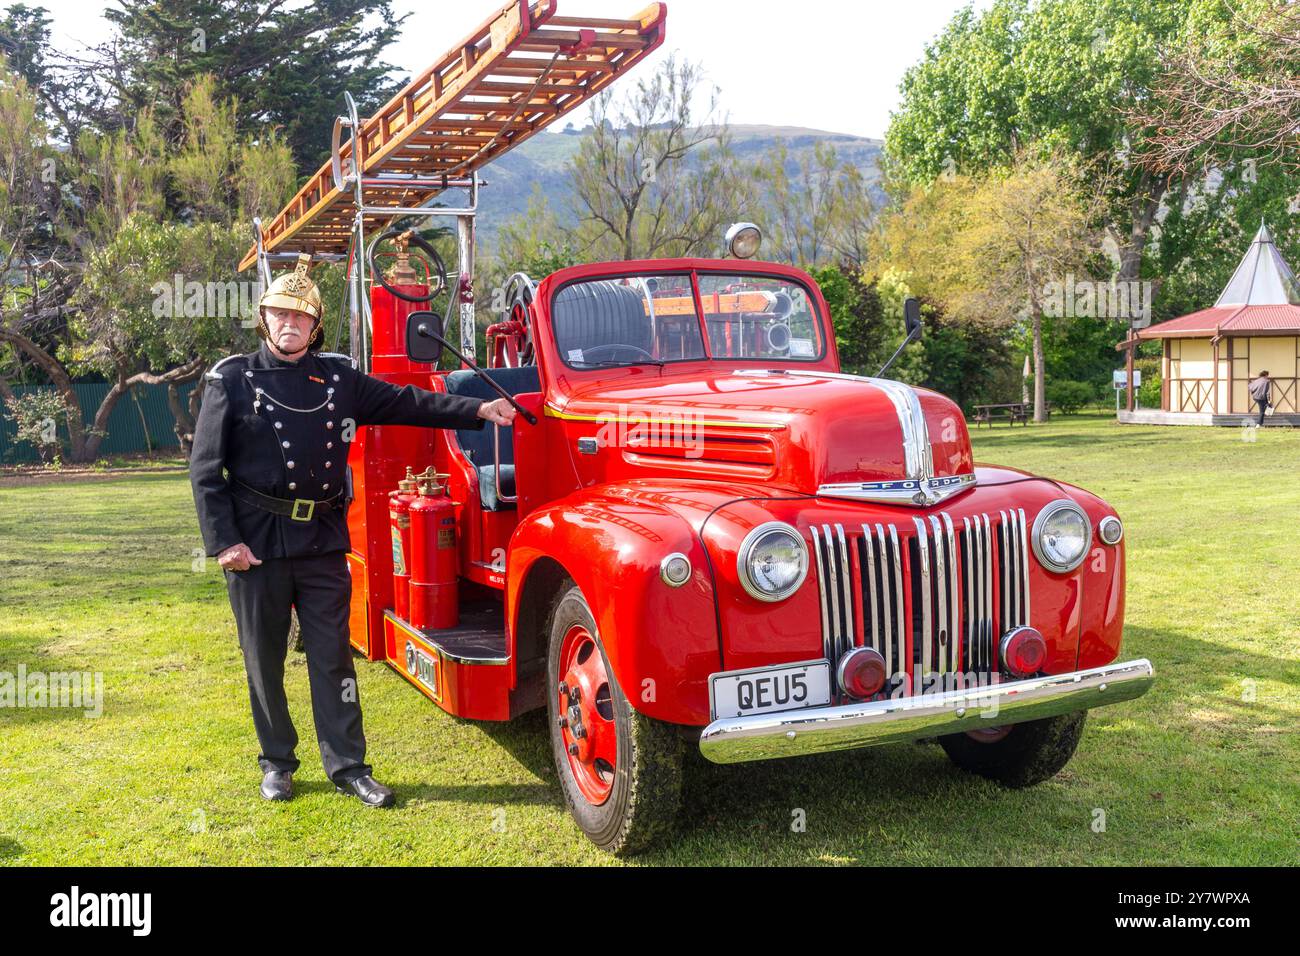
283,429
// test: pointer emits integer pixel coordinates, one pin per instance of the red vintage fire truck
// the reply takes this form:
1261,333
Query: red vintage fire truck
699,532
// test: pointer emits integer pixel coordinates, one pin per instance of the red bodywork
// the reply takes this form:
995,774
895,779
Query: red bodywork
607,520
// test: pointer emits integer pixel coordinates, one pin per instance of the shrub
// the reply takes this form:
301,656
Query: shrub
37,416
1068,397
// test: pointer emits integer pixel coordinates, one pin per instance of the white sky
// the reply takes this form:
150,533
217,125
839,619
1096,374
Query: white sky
775,63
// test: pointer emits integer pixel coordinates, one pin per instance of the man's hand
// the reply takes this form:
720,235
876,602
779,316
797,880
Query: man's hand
237,558
499,412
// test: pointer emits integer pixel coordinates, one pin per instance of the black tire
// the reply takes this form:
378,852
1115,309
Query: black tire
1029,754
646,780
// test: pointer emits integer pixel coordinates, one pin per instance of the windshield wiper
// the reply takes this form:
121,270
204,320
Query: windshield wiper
612,363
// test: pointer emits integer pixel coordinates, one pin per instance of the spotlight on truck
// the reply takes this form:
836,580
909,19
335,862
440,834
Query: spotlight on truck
743,240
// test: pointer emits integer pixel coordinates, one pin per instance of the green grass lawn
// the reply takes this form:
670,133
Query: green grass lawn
98,576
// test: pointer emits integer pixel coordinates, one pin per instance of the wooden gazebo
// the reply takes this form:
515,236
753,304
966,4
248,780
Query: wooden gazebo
1211,355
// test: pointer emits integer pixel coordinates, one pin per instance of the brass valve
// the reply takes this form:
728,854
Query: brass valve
431,483
401,272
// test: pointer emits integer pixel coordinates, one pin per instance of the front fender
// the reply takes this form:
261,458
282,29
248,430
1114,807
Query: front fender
1101,625
662,642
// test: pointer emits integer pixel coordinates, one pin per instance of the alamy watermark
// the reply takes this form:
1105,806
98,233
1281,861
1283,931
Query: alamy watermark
236,298
1096,299
77,690
653,432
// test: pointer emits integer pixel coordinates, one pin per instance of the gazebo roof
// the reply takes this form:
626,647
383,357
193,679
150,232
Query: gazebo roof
1262,297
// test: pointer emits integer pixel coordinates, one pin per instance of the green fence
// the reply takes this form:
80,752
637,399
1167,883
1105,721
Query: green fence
141,421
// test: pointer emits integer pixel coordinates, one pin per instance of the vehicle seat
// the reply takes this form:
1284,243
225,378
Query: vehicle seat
586,314
477,444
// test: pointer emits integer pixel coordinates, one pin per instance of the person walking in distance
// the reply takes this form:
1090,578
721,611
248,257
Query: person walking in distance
1261,391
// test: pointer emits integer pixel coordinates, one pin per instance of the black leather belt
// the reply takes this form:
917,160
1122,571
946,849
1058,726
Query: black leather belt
298,509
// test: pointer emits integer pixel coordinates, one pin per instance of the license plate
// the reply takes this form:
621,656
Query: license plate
422,667
764,690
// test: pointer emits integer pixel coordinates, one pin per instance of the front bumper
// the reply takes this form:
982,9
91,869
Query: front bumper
845,727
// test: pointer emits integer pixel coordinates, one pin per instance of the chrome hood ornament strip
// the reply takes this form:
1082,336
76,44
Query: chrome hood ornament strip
921,492
920,488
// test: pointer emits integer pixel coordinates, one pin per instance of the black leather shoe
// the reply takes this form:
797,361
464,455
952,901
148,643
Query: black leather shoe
277,785
369,791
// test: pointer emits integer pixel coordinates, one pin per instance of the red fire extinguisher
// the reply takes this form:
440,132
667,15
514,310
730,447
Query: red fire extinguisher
399,520
435,558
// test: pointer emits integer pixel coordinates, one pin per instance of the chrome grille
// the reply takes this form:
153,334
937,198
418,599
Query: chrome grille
881,582
835,582
931,597
977,564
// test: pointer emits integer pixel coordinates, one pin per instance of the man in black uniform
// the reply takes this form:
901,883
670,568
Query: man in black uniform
278,422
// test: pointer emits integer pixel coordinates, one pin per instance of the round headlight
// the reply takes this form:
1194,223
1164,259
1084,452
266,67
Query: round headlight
1110,530
1062,533
773,561
743,239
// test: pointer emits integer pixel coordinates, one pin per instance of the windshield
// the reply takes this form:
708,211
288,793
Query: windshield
652,319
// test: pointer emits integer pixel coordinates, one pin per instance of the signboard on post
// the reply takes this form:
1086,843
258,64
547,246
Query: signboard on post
1119,379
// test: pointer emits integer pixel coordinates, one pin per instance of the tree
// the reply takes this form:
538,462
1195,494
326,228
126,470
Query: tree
288,65
804,202
104,318
987,246
1061,74
862,336
1231,89
135,326
636,194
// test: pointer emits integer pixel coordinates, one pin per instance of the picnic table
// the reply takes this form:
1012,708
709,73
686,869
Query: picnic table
1012,412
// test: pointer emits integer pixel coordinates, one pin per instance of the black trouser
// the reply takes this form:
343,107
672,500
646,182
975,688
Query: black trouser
321,589
1263,406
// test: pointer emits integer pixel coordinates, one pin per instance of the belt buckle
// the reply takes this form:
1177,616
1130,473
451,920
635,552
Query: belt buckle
298,504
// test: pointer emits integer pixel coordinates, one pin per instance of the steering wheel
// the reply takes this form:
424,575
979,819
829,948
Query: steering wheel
614,346
437,269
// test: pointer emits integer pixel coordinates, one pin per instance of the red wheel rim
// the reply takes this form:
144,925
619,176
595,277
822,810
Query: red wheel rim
586,709
989,735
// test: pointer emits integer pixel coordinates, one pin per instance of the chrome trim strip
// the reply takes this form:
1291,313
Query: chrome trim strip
977,589
429,639
968,592
898,597
954,600
833,590
821,589
870,591
865,724
922,492
1024,562
923,548
987,592
916,433
846,592
1013,578
1004,576
941,618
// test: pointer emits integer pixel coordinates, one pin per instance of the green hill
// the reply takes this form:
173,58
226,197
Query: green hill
542,160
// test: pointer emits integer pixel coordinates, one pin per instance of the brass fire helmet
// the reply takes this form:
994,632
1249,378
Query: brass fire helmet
293,290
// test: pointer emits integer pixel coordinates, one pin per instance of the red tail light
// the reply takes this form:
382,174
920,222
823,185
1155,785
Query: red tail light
862,673
1023,651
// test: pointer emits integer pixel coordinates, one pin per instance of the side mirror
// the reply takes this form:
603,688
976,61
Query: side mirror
426,347
912,321
912,317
